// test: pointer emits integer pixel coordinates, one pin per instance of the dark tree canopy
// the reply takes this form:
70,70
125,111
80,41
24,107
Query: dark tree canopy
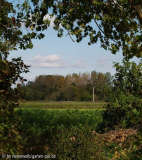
118,22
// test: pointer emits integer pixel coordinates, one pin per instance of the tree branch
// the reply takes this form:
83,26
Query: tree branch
102,30
70,36
137,9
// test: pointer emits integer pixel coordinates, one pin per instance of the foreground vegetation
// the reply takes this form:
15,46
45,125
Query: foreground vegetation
72,134
51,132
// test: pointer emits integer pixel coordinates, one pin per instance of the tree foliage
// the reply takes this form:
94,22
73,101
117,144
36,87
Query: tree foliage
69,88
128,78
124,107
118,23
11,37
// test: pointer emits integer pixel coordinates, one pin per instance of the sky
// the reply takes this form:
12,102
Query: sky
54,55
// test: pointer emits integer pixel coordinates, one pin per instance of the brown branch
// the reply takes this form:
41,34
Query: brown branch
99,27
102,30
70,36
137,9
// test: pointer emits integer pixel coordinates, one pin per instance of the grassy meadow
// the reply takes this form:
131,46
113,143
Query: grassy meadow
62,105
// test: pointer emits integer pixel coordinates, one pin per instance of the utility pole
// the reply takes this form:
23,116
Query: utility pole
93,94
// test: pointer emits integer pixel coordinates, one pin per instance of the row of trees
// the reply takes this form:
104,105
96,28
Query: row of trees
75,87
78,87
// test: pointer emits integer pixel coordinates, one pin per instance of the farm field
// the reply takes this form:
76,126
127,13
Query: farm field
62,105
49,132
68,130
68,118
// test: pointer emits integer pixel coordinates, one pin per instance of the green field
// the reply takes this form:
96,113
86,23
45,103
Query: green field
42,128
62,105
50,125
67,130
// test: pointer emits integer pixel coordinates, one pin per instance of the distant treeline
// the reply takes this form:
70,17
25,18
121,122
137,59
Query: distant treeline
75,87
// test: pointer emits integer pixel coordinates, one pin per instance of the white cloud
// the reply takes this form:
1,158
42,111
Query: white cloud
103,59
49,58
50,61
79,64
35,58
53,65
102,63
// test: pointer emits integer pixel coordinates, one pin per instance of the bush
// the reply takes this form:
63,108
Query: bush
123,110
78,143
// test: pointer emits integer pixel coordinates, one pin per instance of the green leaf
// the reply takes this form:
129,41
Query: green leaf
97,17
12,152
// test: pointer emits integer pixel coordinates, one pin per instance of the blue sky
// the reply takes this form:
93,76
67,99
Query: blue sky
53,55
